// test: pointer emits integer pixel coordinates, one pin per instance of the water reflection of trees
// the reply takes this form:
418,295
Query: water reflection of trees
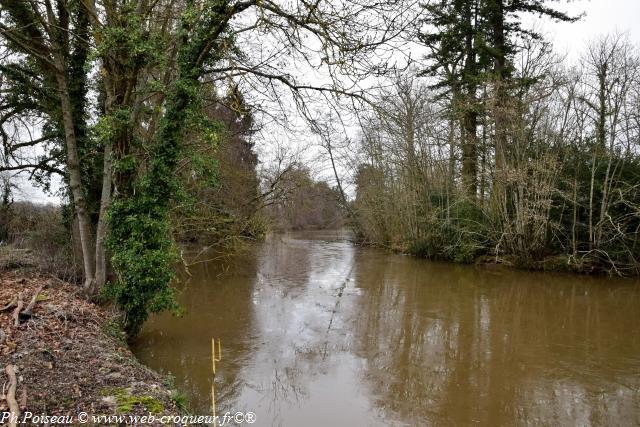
273,375
454,345
216,299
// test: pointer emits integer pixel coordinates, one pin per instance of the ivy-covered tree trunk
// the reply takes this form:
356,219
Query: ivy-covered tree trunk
139,222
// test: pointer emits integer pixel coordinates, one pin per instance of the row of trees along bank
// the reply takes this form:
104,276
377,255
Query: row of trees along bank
108,93
506,154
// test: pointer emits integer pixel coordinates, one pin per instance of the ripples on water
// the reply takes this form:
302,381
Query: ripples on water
317,332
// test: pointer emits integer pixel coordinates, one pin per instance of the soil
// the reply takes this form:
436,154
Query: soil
71,357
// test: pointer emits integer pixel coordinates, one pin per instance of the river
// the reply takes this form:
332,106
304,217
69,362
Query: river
318,332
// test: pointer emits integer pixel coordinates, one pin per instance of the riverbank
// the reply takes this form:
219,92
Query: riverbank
581,264
70,356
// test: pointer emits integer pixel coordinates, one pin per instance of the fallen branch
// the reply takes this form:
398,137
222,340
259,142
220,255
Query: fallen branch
3,337
11,396
28,312
16,312
12,304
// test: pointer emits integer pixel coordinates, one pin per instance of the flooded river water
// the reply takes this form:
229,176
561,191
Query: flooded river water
318,332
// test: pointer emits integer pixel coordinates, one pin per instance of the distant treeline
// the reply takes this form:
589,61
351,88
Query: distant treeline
308,204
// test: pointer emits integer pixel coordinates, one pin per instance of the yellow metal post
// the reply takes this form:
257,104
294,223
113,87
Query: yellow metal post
213,404
214,359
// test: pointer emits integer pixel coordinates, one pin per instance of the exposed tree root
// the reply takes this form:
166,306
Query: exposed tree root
28,312
12,304
16,312
11,395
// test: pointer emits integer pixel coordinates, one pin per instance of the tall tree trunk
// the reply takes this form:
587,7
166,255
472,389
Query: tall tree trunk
500,100
603,113
601,130
483,159
591,191
470,152
101,230
75,181
451,168
470,115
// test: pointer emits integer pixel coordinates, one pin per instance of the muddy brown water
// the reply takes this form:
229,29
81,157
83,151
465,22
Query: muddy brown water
318,332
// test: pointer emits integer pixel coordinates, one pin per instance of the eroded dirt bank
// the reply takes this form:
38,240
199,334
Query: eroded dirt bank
70,357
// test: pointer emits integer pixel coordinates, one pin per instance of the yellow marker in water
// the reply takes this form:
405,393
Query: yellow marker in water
213,404
214,359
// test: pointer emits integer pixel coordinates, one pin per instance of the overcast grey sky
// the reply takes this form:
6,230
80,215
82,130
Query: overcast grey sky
601,17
